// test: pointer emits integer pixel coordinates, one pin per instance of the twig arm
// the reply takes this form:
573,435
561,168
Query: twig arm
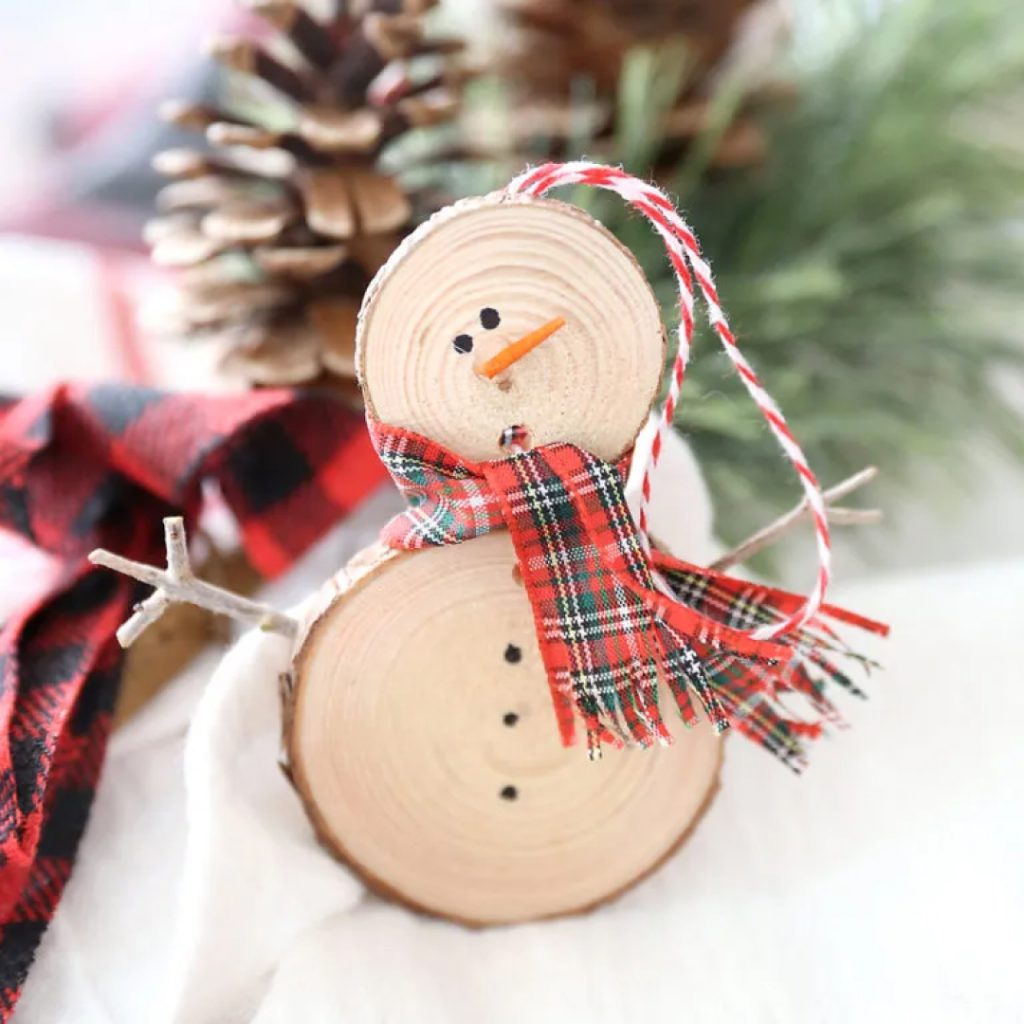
144,616
177,584
838,516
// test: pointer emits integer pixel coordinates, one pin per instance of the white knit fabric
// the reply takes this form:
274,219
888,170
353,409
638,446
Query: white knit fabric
884,885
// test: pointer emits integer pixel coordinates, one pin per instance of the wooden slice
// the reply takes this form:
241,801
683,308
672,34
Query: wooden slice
473,280
423,743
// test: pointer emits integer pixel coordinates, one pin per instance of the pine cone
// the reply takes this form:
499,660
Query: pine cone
280,222
560,45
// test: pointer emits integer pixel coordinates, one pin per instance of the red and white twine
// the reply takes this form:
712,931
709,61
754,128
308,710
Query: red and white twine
687,263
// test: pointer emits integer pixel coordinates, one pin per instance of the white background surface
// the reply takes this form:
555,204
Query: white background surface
886,885
883,885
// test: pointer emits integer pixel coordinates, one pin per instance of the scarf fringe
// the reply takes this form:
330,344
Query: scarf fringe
735,689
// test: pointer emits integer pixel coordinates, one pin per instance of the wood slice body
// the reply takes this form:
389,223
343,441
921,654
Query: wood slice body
423,743
420,727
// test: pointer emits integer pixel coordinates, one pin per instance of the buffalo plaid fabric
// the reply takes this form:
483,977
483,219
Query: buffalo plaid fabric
609,626
86,467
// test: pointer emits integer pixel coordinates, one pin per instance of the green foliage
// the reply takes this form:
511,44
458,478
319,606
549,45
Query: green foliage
872,266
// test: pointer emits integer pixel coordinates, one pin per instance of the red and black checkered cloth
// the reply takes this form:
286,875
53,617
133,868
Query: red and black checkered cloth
607,632
85,467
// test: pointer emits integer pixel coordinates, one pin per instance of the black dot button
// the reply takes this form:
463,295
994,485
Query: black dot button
513,655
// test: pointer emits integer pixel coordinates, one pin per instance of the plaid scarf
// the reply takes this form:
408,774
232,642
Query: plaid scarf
85,467
607,630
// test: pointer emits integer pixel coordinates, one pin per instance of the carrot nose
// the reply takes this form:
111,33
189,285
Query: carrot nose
514,352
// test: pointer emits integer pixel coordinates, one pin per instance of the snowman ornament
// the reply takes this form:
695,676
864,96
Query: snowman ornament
509,353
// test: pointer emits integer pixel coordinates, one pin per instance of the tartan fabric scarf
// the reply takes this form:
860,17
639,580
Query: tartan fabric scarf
607,631
84,467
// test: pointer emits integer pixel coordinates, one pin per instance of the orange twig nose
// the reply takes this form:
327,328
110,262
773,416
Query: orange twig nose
514,352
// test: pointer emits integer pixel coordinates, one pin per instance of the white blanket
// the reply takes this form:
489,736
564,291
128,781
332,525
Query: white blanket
884,885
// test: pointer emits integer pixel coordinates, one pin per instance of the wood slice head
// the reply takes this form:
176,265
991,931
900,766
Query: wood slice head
423,743
475,279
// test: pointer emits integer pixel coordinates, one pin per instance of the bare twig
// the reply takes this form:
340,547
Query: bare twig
176,583
837,516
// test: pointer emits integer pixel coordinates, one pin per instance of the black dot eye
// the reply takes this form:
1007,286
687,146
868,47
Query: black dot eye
508,793
463,344
489,318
